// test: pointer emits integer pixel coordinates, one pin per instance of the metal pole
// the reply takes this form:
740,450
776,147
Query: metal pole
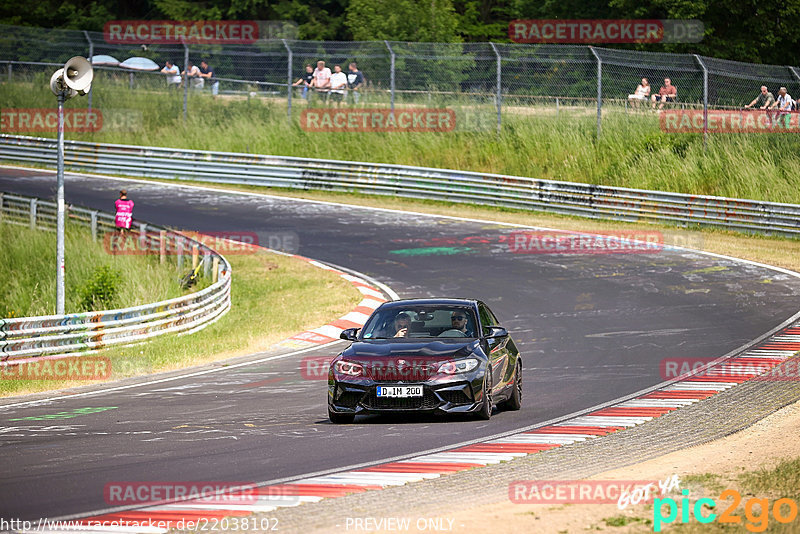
498,97
791,69
391,74
91,54
185,78
10,71
705,100
289,80
599,90
60,267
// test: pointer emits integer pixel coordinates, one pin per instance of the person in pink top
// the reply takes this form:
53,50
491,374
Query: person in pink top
322,80
124,215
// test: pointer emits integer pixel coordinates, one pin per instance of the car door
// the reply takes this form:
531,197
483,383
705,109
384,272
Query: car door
497,350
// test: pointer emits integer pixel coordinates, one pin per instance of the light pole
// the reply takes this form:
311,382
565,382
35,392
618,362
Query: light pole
74,79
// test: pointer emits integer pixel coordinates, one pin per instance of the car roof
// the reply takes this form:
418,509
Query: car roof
429,302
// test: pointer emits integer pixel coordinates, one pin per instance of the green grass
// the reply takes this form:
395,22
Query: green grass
273,297
28,272
632,152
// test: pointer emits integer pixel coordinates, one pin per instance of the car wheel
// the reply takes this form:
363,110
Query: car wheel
340,418
514,401
486,407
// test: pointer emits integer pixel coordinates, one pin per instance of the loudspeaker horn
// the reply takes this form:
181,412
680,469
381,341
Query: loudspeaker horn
78,74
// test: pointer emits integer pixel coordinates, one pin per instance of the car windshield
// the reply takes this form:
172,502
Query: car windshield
421,322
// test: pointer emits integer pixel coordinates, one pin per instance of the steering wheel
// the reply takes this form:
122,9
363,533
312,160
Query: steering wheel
452,333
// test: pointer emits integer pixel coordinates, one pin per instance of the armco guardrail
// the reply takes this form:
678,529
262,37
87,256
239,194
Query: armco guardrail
58,335
586,200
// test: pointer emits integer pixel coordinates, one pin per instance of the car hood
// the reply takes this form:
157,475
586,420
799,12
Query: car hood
434,350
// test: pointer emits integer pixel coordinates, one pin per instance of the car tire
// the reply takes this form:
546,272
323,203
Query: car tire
340,418
514,401
485,413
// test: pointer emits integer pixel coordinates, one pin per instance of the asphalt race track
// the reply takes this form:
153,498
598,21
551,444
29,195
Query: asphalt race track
591,328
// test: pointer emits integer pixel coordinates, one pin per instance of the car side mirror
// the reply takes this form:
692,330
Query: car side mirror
496,332
349,334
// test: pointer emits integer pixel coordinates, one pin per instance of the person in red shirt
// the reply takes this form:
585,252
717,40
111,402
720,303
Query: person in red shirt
124,209
667,93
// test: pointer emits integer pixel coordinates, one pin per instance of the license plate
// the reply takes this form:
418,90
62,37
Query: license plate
399,391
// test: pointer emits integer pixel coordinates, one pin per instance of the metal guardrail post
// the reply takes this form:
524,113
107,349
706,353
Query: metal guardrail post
91,54
289,66
499,96
206,264
93,222
32,213
143,245
1,206
705,99
185,79
179,252
599,90
195,256
391,73
162,246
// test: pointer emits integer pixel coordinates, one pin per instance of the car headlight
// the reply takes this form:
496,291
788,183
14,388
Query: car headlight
458,366
349,368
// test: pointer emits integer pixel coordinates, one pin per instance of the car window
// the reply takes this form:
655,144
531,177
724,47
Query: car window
487,317
420,322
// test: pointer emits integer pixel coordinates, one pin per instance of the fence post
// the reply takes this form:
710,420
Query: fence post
498,97
10,71
93,223
391,73
599,90
185,78
162,246
791,69
195,256
288,80
143,244
1,206
556,107
206,264
705,100
91,54
179,252
215,269
33,214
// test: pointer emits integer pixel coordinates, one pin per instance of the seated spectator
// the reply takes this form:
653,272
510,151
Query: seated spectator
784,105
355,81
193,73
322,79
305,80
641,94
667,93
207,73
338,85
173,74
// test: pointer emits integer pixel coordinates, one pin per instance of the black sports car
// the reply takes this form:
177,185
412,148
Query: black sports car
426,355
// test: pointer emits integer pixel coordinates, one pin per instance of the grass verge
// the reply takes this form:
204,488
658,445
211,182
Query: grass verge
272,297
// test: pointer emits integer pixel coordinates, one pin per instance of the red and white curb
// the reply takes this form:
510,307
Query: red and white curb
727,374
372,298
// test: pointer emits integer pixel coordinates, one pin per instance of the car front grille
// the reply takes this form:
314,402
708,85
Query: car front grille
428,401
349,399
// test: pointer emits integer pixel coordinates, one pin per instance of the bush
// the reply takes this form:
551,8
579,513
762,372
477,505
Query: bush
101,289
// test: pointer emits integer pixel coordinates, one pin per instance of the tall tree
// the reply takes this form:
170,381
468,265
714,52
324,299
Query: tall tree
402,20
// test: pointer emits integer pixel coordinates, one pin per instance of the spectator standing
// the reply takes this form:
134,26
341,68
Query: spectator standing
124,212
173,74
355,81
667,93
338,85
765,100
641,94
305,80
193,73
207,73
322,78
785,104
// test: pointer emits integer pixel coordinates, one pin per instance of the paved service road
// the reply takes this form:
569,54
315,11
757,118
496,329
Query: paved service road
590,328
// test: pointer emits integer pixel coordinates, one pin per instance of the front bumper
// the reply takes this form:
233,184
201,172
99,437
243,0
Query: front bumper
461,395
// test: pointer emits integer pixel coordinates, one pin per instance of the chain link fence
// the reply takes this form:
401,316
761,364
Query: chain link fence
483,80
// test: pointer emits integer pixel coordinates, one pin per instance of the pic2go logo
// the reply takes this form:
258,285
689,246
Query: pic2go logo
755,510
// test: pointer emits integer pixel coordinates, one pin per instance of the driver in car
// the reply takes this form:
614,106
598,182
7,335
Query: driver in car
458,321
401,324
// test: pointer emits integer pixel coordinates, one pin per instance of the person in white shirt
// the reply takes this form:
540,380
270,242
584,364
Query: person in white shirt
784,103
322,79
193,73
641,94
338,85
173,74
